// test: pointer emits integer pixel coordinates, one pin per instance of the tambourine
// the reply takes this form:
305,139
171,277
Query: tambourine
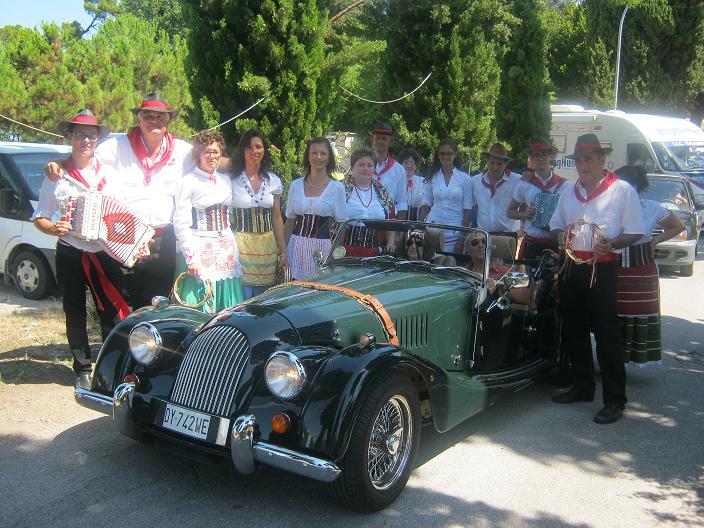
208,292
576,229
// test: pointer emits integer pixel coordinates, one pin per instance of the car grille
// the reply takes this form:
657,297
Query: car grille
211,370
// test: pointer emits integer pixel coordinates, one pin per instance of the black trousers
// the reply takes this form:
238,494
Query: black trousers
584,309
72,276
153,275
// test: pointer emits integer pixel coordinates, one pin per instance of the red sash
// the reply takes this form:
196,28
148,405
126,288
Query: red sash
112,293
555,182
389,163
73,171
137,144
607,182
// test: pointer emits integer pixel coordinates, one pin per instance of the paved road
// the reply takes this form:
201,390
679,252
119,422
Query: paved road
523,462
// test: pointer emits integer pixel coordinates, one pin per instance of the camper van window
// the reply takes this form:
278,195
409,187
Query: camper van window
666,161
637,154
681,156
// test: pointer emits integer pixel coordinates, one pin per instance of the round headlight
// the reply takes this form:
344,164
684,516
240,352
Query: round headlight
285,375
145,343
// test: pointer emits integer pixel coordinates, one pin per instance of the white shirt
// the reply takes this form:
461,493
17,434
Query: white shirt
652,214
394,181
492,210
616,211
415,193
331,201
153,203
244,197
526,192
54,192
448,201
365,205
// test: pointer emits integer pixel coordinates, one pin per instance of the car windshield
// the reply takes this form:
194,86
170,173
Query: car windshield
671,194
680,155
412,246
31,166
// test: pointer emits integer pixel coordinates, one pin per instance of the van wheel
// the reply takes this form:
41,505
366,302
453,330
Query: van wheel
688,270
32,275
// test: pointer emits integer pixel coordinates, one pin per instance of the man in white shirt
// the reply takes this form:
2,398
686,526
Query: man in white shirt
539,179
588,291
388,171
493,191
150,161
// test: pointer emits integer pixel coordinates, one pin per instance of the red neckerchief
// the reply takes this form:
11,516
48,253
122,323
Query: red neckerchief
494,187
137,144
389,163
75,173
607,182
554,181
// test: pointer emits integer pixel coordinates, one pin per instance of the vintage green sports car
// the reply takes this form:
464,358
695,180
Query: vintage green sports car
333,379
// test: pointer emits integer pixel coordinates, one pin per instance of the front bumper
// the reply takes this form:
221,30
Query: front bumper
246,451
675,252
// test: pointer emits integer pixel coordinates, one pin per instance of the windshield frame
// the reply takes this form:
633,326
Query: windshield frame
666,148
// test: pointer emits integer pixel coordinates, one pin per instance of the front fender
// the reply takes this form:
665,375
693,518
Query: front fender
115,360
331,410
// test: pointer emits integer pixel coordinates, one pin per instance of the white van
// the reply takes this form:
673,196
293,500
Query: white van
26,254
661,144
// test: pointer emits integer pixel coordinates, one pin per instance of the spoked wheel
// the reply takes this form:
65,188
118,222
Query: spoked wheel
382,447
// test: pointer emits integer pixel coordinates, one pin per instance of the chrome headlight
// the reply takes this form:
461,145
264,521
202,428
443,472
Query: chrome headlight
145,343
285,375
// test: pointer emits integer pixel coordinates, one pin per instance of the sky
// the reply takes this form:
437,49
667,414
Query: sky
31,13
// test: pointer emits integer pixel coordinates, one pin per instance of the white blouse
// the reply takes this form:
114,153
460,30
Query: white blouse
415,192
365,205
244,197
331,201
54,192
196,190
652,214
448,201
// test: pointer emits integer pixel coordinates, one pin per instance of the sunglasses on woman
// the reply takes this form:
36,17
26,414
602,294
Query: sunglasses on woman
476,241
417,241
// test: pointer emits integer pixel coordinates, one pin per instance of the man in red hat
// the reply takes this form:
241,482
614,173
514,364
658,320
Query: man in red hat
588,290
493,190
150,161
388,171
540,179
81,263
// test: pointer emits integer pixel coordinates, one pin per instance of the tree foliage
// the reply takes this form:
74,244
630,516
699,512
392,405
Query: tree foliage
48,74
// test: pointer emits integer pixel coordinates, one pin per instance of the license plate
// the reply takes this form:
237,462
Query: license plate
187,422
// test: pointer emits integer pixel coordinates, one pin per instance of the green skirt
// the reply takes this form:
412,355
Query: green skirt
641,340
226,293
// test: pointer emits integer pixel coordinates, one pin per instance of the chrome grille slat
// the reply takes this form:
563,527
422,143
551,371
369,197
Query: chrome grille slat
211,370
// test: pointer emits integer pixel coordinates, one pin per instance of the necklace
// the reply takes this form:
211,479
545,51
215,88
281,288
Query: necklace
371,195
258,196
310,182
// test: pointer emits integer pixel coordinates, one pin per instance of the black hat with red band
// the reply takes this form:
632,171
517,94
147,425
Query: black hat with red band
83,117
541,144
155,103
588,144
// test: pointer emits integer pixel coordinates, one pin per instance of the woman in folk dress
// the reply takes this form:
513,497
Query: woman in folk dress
206,244
315,202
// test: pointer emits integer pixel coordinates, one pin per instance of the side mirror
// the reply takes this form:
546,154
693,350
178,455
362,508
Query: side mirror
318,257
516,279
9,201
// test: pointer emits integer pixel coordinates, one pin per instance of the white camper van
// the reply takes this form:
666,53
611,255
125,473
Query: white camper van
661,144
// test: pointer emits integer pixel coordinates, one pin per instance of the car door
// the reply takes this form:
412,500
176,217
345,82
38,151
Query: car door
12,214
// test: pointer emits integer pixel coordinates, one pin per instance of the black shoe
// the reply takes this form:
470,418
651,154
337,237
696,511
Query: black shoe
83,380
574,395
608,414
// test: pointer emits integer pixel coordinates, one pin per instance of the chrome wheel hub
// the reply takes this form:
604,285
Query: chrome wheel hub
27,276
390,442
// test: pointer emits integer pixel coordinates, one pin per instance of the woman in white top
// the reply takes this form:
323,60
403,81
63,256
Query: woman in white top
448,194
367,199
206,244
314,203
638,287
415,184
256,214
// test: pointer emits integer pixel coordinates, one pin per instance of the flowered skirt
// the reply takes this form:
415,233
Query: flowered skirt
300,255
259,257
639,314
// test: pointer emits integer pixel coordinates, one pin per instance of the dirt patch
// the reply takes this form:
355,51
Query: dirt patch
33,347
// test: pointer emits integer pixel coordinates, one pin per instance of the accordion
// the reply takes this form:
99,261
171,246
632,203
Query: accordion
96,217
545,205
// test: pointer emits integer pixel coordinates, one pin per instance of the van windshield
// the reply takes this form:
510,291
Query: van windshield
680,155
31,167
